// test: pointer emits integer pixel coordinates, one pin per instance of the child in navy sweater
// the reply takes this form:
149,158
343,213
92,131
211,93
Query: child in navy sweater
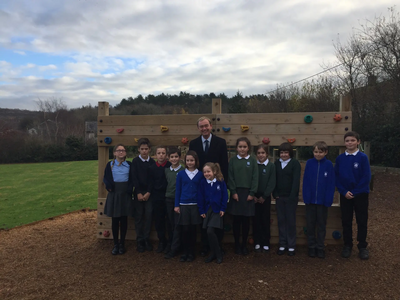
353,175
212,202
119,204
187,184
318,191
143,204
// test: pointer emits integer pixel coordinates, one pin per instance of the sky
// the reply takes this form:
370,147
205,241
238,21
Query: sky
86,51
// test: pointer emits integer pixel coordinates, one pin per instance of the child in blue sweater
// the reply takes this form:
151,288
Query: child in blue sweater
318,191
353,175
212,201
187,184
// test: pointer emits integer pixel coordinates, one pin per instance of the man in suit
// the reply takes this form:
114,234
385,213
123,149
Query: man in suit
209,148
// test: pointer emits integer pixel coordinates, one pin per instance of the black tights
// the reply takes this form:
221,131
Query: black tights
213,235
189,238
245,222
115,228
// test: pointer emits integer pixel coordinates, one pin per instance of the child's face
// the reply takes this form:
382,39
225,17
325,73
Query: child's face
144,151
208,173
120,153
319,154
242,149
284,155
262,155
351,144
190,162
161,155
174,159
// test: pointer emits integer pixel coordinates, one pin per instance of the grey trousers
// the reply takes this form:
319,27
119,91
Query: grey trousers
143,219
286,211
316,219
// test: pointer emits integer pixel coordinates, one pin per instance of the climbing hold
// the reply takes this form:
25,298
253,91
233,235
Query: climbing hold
266,141
136,140
337,235
244,127
308,118
185,140
291,140
108,140
106,233
120,130
251,241
226,129
164,128
337,117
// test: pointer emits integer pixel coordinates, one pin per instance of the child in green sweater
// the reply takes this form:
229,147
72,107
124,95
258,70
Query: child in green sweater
262,199
286,194
243,184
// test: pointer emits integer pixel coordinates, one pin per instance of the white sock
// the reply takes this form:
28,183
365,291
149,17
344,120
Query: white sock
266,248
281,248
257,247
291,249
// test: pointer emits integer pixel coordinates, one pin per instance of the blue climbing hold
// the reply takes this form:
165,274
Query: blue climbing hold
108,140
308,118
337,235
226,129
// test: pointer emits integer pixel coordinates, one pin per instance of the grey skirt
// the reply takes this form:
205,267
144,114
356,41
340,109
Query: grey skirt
213,220
241,207
189,215
119,203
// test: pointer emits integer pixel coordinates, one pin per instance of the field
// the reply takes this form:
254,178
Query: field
33,192
61,258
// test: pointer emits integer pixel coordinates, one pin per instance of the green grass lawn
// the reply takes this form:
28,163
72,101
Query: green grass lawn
32,192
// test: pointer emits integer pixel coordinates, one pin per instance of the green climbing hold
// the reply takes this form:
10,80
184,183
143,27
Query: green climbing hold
308,119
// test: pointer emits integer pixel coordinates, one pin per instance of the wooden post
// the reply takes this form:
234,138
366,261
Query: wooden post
216,106
103,110
344,105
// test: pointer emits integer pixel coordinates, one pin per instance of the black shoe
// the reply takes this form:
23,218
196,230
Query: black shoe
183,258
238,250
121,249
140,247
346,252
258,250
218,260
265,250
115,250
170,254
167,248
148,246
190,258
245,251
321,253
161,247
364,253
281,252
291,253
311,252
209,259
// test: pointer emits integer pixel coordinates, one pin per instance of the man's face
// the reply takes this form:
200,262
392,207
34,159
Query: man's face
205,128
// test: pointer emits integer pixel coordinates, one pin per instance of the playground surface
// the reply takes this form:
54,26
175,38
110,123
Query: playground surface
61,258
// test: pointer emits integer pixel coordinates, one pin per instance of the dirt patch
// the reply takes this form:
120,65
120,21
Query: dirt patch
63,259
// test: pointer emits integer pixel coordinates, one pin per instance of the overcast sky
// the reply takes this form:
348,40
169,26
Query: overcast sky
85,51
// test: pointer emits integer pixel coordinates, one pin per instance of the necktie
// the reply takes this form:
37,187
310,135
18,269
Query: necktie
206,146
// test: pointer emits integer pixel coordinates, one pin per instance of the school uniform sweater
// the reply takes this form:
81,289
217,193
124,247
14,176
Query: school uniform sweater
186,188
266,179
243,173
108,178
319,182
214,196
140,173
157,182
353,173
170,176
287,179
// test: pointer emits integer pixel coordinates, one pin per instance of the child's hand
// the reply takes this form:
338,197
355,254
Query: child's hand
146,196
349,195
256,200
261,200
140,197
221,213
235,197
177,210
249,198
203,216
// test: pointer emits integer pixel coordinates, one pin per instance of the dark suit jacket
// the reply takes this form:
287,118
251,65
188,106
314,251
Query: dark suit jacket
217,153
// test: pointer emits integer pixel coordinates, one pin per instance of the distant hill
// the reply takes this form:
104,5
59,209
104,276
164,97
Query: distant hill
12,117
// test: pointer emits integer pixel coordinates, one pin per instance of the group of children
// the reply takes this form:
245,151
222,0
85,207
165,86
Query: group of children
179,199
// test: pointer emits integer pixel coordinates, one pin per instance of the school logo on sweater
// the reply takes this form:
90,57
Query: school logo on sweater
326,174
356,165
218,187
264,172
248,164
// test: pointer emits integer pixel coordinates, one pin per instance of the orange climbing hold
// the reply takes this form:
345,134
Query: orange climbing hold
120,130
291,140
337,117
185,140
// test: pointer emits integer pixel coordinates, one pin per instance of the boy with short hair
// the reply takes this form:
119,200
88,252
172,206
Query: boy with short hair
143,206
157,185
174,156
353,175
318,191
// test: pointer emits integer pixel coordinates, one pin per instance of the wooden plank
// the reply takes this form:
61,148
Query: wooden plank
345,103
282,118
148,130
156,120
216,107
154,140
